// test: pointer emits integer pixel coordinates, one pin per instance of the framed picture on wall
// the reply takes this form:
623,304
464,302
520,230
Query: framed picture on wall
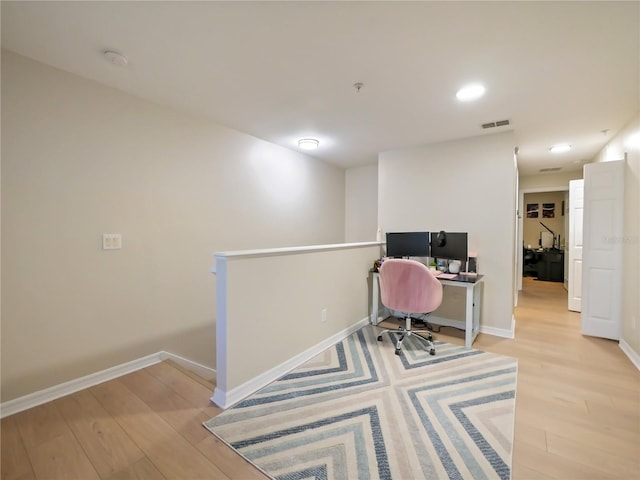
532,210
548,210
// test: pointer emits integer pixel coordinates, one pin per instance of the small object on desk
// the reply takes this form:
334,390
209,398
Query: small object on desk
469,274
435,273
447,276
454,266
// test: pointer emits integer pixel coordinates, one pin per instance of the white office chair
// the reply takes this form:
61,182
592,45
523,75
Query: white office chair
409,287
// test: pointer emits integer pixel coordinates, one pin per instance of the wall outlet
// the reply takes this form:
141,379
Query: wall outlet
323,315
111,241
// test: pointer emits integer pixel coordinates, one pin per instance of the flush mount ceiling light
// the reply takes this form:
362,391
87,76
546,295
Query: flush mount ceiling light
308,143
115,58
470,92
560,148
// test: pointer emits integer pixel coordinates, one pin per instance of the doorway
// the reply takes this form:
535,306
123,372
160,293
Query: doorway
543,232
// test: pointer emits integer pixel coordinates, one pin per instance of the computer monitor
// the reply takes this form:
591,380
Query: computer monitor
407,244
449,245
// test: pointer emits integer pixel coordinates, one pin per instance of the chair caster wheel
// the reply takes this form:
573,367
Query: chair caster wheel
432,351
397,351
379,338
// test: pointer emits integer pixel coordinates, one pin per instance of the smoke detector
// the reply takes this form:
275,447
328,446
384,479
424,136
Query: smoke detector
115,58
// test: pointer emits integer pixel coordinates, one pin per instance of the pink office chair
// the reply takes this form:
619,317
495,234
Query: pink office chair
409,287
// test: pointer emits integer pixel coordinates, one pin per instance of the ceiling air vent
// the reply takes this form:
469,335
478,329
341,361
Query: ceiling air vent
499,123
551,169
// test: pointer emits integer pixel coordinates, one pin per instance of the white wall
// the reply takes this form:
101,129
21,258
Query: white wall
81,159
361,203
627,143
460,186
553,181
531,226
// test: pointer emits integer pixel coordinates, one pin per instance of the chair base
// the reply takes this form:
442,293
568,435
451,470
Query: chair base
407,332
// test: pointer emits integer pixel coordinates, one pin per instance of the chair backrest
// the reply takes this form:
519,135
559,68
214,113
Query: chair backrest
408,286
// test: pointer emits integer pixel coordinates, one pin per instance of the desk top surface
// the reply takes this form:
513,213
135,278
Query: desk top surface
462,278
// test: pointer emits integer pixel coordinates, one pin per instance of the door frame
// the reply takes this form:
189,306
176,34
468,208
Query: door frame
521,221
574,303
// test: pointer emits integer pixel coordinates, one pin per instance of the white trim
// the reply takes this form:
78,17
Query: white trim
72,386
203,371
225,399
52,393
265,252
269,252
631,353
500,332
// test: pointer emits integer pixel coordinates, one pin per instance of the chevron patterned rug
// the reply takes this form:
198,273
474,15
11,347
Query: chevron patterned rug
358,411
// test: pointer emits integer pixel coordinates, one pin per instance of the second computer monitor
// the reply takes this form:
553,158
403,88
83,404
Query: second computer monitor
407,244
449,245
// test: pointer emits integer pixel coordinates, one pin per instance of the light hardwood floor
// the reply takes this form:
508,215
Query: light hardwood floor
577,413
578,397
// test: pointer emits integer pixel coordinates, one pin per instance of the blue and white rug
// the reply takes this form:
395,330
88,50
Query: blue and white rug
358,411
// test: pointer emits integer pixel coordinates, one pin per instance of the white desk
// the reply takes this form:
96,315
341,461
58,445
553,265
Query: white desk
473,286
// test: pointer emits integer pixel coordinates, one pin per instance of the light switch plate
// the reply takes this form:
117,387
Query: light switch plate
111,241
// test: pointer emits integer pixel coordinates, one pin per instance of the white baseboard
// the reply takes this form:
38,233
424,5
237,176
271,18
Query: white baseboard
57,391
500,332
631,353
203,371
225,399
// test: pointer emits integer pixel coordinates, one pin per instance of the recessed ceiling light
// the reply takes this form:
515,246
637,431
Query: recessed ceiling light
470,92
560,148
116,58
308,143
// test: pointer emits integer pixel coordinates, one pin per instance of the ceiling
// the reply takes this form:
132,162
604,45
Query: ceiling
280,71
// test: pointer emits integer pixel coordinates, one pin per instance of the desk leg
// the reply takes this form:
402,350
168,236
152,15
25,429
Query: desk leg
374,299
477,291
468,331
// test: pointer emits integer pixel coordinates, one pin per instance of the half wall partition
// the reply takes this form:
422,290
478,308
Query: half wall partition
277,308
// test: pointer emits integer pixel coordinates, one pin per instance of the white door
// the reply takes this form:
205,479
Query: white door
517,251
565,244
602,249
574,250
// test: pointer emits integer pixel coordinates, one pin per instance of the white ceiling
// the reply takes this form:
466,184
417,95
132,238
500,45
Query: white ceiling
559,71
